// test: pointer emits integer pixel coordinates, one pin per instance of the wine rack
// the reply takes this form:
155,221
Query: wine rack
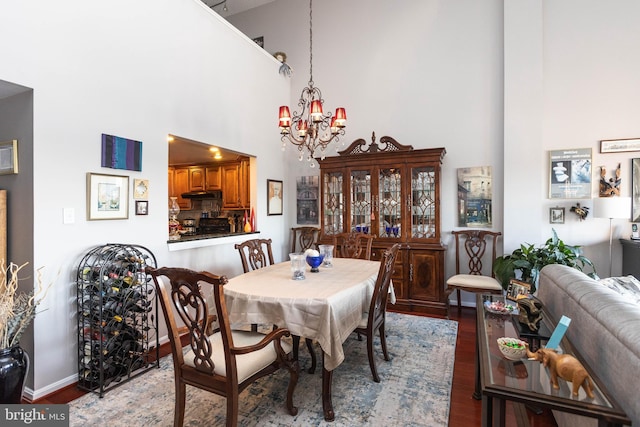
117,316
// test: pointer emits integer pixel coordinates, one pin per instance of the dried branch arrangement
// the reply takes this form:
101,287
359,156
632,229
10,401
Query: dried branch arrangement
17,311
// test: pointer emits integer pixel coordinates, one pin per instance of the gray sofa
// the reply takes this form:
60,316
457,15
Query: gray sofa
605,328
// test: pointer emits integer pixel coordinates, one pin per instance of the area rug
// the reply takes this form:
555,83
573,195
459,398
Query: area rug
414,390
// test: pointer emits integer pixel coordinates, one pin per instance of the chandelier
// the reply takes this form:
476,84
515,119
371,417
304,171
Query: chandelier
311,129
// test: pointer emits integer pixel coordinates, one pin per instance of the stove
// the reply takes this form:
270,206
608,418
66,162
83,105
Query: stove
214,226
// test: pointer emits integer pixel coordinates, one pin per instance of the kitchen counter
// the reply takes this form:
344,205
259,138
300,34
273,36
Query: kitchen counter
203,240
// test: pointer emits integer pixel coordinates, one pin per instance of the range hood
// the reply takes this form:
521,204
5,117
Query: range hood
211,194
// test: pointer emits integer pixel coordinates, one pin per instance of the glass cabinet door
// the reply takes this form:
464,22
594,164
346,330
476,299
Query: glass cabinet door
389,202
333,203
360,204
423,203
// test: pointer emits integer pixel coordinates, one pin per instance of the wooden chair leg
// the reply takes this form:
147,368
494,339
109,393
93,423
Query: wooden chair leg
372,361
383,342
232,409
181,394
458,297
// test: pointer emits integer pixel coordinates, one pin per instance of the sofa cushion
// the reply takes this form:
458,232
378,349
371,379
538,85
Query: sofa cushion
627,286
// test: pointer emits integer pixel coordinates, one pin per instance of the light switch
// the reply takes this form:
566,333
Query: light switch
68,216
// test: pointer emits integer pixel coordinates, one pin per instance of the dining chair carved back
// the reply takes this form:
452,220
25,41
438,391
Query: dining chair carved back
352,245
476,249
225,362
255,254
374,319
303,238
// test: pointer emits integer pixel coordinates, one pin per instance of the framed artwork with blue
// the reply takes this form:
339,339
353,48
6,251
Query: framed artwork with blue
121,153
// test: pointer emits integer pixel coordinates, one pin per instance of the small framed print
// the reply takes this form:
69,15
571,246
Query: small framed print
140,189
517,288
619,145
9,157
274,191
142,207
107,196
556,215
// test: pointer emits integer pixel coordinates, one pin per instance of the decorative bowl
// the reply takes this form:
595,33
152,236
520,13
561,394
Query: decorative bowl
314,262
512,348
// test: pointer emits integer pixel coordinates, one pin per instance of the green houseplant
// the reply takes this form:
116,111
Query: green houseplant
526,262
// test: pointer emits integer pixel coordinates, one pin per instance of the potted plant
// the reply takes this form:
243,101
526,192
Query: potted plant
17,311
526,262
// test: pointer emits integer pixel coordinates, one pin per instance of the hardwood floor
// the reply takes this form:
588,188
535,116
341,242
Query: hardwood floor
464,410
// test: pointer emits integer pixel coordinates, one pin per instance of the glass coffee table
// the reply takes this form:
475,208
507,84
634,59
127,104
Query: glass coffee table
526,382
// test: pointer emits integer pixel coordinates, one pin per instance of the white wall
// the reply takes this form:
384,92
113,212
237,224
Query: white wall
426,72
495,83
138,70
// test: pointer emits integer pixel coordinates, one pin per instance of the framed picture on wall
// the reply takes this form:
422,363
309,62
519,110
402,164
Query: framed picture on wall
107,196
570,174
556,215
619,145
142,207
274,194
9,157
635,190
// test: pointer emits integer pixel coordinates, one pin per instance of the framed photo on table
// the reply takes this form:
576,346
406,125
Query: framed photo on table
516,288
274,193
107,196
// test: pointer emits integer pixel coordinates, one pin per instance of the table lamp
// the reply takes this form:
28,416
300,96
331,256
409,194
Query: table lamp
612,208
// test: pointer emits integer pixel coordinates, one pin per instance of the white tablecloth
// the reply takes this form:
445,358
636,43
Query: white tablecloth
326,306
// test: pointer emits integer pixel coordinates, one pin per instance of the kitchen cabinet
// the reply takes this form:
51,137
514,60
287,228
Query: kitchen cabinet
213,178
391,191
235,185
197,178
181,185
232,178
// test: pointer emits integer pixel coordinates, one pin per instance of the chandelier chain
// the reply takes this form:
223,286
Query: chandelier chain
310,43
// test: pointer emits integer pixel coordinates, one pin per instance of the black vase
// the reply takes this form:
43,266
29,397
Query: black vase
14,364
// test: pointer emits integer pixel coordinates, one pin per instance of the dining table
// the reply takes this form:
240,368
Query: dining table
326,306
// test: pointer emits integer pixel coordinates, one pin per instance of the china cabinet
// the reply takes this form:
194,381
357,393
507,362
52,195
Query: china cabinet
391,191
117,316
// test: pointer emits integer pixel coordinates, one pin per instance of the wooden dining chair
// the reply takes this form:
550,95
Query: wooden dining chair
352,245
255,254
473,247
303,238
374,319
226,362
